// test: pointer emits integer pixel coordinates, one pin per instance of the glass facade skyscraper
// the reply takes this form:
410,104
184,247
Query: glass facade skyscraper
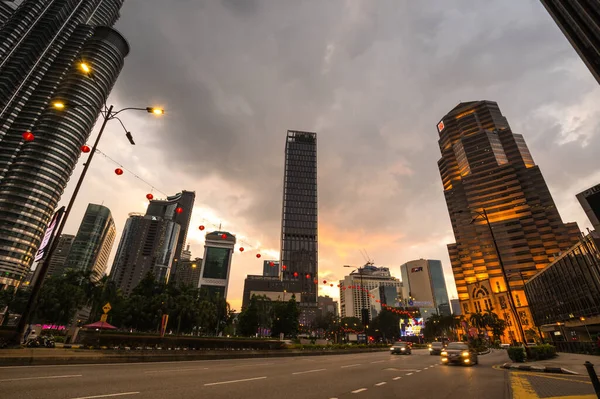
40,43
578,20
299,222
218,251
485,167
424,284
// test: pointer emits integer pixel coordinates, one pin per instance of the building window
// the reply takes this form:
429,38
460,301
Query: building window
518,300
497,286
216,263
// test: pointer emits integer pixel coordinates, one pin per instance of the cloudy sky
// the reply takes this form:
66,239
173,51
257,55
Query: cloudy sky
372,78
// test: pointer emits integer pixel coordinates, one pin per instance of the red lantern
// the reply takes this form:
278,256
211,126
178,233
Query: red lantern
241,249
324,281
149,196
119,171
331,285
271,264
308,276
223,236
28,136
295,274
377,300
179,209
258,255
201,227
283,267
338,286
316,281
85,148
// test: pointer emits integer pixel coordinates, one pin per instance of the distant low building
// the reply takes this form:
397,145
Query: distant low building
271,287
327,305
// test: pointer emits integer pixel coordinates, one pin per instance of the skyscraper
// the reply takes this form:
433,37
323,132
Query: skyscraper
271,268
147,246
59,257
299,230
94,241
423,280
578,20
167,209
486,169
590,201
40,44
216,264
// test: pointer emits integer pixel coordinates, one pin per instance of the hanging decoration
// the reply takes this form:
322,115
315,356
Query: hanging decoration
85,149
258,255
223,236
271,264
295,274
283,267
324,281
119,171
241,249
28,136
308,276
149,196
201,228
179,209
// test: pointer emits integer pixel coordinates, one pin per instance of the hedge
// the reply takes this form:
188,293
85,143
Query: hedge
516,354
542,352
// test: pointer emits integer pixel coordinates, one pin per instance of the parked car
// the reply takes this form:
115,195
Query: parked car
436,348
401,348
459,353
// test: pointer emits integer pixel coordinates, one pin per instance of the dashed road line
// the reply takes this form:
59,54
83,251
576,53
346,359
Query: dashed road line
396,378
378,361
380,384
351,365
109,395
49,377
234,381
171,370
308,371
359,390
409,373
418,371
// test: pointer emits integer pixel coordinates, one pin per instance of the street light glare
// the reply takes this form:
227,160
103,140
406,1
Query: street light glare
85,67
155,110
59,105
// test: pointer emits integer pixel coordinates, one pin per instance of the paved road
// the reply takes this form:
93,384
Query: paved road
370,375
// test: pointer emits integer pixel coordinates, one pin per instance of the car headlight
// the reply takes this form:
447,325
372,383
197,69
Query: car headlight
466,354
402,349
444,353
391,349
430,348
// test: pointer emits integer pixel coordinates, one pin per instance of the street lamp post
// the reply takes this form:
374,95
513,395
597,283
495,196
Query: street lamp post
511,300
107,116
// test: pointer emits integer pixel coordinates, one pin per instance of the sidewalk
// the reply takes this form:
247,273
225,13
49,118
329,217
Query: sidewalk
570,361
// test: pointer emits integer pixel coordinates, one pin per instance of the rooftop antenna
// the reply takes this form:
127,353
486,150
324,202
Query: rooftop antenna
219,226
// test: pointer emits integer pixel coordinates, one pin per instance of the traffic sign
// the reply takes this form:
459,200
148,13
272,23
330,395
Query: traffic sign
107,307
104,317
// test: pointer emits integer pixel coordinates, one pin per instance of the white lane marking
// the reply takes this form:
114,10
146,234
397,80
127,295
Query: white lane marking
308,371
107,395
359,390
409,374
378,361
41,378
233,381
396,378
418,371
169,370
351,365
252,365
380,384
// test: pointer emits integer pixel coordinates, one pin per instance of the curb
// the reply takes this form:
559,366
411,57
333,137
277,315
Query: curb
539,369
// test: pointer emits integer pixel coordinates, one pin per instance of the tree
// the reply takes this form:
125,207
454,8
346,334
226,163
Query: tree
285,317
249,319
386,324
478,320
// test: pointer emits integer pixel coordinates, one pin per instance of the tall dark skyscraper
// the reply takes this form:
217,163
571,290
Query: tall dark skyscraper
166,209
578,20
40,44
487,167
299,230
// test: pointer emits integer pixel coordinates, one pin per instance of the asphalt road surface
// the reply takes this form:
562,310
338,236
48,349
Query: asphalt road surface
356,376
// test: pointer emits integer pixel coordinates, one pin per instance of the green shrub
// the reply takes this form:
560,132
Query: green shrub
516,354
542,352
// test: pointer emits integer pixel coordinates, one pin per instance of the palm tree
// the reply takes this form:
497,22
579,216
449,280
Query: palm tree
478,320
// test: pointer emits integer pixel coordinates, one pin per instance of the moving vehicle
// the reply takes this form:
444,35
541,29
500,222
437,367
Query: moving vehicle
436,348
459,352
401,348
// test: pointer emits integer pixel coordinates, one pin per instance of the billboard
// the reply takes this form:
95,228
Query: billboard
47,240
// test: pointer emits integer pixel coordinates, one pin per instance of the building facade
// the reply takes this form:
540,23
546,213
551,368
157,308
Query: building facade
590,202
455,306
167,209
299,230
488,171
40,44
326,306
271,287
271,268
58,260
578,20
565,296
188,274
216,264
147,246
353,298
423,281
94,241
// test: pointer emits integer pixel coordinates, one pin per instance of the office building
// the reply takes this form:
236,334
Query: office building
147,246
299,246
188,274
94,241
353,298
455,306
578,21
40,45
167,210
186,254
565,296
59,258
271,287
488,171
216,264
271,268
327,306
389,295
590,202
423,281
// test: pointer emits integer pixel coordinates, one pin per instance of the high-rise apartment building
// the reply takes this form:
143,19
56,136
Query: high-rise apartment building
487,170
59,256
41,42
147,246
94,241
167,209
354,289
216,264
423,282
590,202
188,274
299,230
578,20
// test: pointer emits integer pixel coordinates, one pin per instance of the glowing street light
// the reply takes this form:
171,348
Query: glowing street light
85,67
